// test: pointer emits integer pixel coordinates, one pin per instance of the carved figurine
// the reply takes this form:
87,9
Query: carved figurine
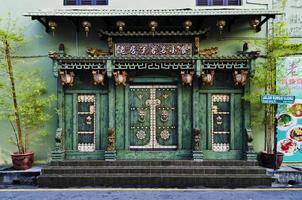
207,78
110,45
58,138
53,54
196,139
67,78
240,78
187,78
120,78
95,52
98,78
111,140
209,52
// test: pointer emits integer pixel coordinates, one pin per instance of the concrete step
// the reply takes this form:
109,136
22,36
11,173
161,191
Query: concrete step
154,170
154,163
155,180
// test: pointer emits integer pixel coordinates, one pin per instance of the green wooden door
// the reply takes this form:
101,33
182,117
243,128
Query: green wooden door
153,117
221,123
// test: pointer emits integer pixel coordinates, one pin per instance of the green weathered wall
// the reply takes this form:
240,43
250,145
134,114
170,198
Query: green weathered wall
39,42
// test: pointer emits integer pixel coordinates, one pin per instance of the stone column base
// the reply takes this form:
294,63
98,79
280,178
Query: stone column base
58,155
251,156
110,155
197,155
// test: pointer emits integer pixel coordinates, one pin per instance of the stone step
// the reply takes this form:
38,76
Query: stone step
154,169
155,180
154,163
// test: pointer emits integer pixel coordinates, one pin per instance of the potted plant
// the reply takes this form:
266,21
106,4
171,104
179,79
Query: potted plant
277,45
23,102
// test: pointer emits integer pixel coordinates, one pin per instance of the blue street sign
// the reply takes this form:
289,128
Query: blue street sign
277,99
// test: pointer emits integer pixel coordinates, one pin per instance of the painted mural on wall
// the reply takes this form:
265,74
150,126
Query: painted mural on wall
289,79
293,16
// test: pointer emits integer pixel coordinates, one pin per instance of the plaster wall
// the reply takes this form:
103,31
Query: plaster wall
34,51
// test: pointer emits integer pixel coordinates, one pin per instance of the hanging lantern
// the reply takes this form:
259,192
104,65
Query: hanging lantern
86,25
254,22
120,78
98,78
208,77
220,24
120,25
53,26
67,78
240,78
187,25
153,25
187,78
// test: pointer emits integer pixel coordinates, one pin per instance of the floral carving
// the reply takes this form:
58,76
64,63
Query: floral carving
187,78
207,78
240,78
98,78
120,78
164,134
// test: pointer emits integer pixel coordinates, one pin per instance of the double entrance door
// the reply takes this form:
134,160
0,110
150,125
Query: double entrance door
153,117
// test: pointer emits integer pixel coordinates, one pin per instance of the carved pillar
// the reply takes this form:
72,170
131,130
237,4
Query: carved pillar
250,153
197,153
110,153
58,153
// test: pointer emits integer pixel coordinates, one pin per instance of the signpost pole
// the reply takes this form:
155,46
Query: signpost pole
275,137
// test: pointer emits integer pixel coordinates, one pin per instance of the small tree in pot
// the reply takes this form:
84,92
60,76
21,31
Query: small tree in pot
23,103
277,45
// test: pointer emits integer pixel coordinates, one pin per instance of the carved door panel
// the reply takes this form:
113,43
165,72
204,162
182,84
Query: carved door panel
221,123
153,117
86,122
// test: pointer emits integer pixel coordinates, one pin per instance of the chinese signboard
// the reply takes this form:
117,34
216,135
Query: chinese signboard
277,99
290,116
292,15
152,49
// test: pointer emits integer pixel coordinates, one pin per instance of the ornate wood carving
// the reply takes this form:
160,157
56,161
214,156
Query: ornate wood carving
98,77
95,52
187,78
240,78
209,52
120,78
196,139
67,78
111,140
208,77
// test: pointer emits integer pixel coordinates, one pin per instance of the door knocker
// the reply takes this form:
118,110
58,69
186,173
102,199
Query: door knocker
141,116
164,116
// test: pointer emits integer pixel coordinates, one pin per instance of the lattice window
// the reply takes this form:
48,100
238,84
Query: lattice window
85,2
218,2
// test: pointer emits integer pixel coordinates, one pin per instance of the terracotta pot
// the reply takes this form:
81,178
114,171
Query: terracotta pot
22,161
267,159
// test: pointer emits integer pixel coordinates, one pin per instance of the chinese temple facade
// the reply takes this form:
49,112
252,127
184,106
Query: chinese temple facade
153,83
